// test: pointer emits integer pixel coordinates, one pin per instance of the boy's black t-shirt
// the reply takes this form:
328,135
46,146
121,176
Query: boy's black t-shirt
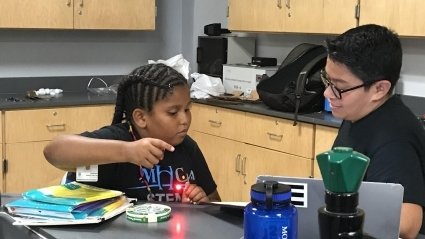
185,162
394,140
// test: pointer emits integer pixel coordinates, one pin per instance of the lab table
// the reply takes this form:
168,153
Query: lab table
187,221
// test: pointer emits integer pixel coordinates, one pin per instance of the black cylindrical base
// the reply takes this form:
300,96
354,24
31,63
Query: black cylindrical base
341,218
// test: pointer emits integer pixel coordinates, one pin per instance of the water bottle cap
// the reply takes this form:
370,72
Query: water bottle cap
279,192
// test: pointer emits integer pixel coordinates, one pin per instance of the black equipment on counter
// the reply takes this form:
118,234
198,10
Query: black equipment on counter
214,51
214,29
264,61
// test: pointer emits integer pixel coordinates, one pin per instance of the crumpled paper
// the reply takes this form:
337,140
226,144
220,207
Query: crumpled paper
205,86
177,62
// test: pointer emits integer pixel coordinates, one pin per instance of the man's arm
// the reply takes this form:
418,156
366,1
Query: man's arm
410,220
214,197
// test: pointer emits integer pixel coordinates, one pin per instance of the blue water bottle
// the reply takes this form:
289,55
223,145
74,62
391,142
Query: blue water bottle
270,213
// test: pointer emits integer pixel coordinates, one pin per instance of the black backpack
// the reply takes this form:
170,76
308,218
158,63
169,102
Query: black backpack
296,86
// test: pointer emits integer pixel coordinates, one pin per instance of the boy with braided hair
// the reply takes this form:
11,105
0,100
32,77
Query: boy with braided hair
146,151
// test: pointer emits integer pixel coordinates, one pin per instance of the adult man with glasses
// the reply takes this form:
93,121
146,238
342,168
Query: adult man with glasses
362,69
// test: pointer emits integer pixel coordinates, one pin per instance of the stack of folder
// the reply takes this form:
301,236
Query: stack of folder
70,203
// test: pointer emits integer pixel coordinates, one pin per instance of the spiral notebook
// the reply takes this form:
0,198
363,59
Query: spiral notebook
382,217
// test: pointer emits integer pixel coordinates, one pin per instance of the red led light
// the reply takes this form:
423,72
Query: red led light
179,187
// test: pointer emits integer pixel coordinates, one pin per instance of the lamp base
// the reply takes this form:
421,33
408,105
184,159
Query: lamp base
341,218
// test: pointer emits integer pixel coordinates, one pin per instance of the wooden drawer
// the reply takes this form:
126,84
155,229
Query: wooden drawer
44,124
280,134
218,121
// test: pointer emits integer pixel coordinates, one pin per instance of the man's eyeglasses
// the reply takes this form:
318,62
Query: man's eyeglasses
337,92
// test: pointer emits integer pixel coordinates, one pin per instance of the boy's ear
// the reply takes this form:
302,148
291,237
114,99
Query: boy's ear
381,89
139,117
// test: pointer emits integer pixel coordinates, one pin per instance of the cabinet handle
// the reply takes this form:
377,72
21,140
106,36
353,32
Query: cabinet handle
82,3
213,122
5,166
288,3
238,163
50,126
279,4
277,137
243,166
244,169
68,3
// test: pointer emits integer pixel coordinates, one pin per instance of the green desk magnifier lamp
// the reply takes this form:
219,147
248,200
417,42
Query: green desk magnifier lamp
342,171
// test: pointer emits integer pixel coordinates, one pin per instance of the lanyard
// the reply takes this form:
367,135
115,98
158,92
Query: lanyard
141,174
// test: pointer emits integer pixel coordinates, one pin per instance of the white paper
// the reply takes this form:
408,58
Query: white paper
235,204
177,62
205,86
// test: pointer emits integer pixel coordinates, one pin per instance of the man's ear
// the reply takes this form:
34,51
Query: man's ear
381,89
139,117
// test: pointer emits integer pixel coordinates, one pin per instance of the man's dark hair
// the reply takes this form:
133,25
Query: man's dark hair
371,52
143,87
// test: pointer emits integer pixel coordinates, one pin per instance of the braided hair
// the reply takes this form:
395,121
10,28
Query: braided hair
143,87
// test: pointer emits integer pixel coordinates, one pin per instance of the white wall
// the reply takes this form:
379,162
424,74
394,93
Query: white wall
178,24
73,52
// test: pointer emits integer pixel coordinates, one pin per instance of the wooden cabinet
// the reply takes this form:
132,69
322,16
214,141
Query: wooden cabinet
27,168
239,146
255,16
235,165
36,14
279,134
1,176
320,16
307,16
27,132
224,161
218,121
406,17
114,14
263,161
1,152
323,141
44,124
78,14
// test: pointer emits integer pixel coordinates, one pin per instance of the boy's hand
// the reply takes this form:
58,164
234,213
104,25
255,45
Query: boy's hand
146,152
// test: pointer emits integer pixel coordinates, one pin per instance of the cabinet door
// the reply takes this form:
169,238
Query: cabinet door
115,14
1,166
339,16
1,151
406,17
304,16
256,15
36,14
44,124
261,161
307,16
320,16
323,141
224,158
27,168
